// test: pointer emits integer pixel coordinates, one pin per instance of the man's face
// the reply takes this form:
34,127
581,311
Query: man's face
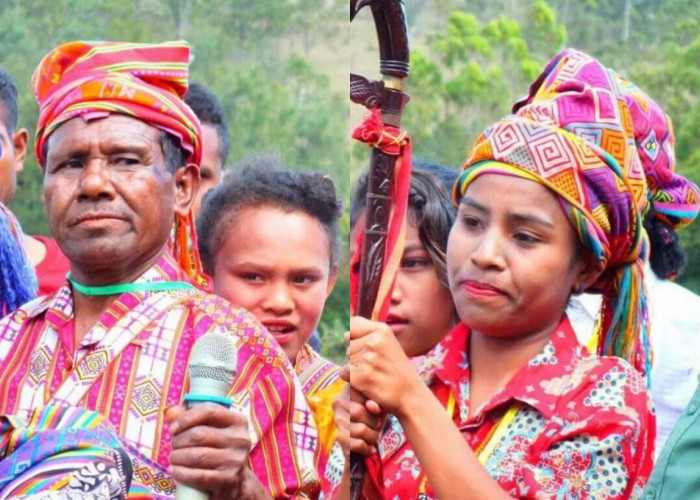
13,148
211,164
109,197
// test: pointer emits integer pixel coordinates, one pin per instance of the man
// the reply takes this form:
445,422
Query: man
44,255
120,152
215,139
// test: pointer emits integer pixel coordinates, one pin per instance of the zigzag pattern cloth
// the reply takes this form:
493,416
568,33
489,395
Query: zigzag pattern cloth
574,133
95,79
675,200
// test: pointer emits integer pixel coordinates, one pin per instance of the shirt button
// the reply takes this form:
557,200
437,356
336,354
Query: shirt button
692,408
650,495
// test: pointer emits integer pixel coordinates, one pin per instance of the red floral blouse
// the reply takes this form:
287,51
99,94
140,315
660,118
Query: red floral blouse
584,428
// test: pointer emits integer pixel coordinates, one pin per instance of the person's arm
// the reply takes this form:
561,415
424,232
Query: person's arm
381,371
452,468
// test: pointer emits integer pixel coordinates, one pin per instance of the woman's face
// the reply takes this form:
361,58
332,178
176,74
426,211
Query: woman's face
512,257
276,264
421,311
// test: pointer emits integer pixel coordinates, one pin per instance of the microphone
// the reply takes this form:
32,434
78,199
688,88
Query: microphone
211,369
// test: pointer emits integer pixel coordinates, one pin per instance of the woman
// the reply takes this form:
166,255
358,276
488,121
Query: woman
549,205
268,237
421,311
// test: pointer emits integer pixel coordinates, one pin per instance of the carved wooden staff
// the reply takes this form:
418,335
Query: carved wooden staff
388,96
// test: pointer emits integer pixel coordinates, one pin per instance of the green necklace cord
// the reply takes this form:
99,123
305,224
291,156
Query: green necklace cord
158,286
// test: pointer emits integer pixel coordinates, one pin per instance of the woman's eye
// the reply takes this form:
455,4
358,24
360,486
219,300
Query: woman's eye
526,238
471,222
251,276
415,263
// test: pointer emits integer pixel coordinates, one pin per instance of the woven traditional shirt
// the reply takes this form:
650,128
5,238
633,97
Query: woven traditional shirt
131,366
584,428
321,383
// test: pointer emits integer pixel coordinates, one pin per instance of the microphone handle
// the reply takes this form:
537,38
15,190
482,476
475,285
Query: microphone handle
183,491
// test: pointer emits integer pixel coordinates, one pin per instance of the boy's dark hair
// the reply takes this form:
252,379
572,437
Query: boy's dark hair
209,110
8,101
262,181
430,208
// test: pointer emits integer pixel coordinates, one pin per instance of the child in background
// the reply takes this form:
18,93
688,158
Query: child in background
268,237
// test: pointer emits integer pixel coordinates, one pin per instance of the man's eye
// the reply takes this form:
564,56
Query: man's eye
68,164
126,161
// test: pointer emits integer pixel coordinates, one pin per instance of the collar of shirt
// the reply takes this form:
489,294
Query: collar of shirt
59,307
556,359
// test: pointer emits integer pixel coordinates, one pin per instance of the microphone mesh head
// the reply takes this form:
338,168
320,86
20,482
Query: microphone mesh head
214,356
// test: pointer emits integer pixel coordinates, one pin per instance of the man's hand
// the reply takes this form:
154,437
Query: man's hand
211,445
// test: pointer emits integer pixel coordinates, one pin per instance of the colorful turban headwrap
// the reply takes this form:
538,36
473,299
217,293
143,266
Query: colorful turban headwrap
574,134
674,199
144,81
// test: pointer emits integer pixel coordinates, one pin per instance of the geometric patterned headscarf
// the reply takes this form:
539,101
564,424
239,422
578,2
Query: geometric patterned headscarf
573,133
674,199
146,81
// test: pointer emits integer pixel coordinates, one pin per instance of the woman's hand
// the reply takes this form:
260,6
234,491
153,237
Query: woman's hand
379,369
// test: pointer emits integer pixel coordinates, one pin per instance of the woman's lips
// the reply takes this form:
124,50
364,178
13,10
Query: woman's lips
479,289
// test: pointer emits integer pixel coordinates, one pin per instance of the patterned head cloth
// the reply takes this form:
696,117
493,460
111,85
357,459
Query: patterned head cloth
674,199
144,81
573,133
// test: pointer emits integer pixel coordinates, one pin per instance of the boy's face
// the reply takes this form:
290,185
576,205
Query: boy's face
13,148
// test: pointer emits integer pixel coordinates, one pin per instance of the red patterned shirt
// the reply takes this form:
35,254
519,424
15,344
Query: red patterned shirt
584,428
131,366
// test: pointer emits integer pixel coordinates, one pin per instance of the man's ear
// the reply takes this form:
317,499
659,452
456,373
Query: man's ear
187,181
20,139
332,278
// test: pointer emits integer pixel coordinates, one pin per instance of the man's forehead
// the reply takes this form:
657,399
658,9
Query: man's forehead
112,128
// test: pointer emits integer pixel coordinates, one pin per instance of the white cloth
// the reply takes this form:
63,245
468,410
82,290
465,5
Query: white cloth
675,343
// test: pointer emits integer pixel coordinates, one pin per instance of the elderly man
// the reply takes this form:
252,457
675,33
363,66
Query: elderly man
120,150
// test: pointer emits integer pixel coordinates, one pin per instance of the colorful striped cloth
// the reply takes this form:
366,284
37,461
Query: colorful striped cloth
142,80
67,452
574,134
131,366
320,380
674,199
